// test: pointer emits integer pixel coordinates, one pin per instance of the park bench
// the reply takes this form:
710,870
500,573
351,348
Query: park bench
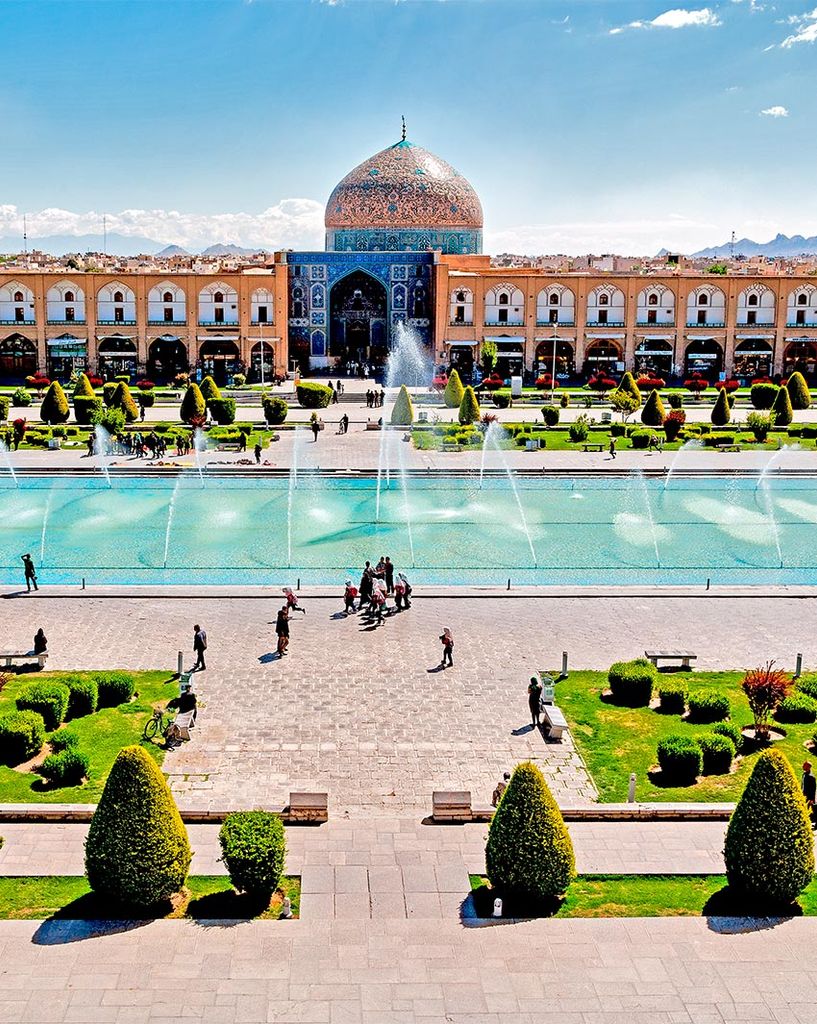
308,807
9,659
228,446
446,447
684,657
454,805
372,425
593,446
727,447
555,721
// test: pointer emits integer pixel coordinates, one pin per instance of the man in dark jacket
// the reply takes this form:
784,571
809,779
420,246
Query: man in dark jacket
808,784
199,646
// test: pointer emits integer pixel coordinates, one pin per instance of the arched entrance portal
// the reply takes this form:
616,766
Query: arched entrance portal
167,356
358,320
802,356
116,355
18,358
704,356
219,360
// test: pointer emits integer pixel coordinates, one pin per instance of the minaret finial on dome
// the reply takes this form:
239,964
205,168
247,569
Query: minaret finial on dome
403,119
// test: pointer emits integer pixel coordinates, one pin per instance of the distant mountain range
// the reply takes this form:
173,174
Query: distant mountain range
115,245
780,245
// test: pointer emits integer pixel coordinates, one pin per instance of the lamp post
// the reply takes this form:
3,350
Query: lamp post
555,340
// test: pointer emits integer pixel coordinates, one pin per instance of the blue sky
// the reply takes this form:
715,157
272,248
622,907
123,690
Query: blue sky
584,125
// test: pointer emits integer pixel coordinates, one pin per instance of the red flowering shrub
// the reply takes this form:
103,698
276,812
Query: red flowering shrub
600,382
493,382
649,383
38,381
145,385
729,385
546,381
696,385
95,382
673,423
765,688
762,380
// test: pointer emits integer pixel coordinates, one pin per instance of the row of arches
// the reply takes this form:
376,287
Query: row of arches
166,357
65,302
606,306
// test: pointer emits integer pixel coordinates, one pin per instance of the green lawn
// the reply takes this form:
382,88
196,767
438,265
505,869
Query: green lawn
616,740
101,736
646,896
35,897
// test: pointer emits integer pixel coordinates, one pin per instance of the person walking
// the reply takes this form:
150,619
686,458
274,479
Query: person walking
199,646
349,595
500,789
292,601
40,642
612,447
447,640
282,630
366,580
344,424
30,572
316,429
535,701
389,571
399,592
257,453
808,785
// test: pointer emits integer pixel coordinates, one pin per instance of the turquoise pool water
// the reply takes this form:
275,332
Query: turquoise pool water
447,530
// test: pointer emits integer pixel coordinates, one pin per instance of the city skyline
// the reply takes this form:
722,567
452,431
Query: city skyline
605,127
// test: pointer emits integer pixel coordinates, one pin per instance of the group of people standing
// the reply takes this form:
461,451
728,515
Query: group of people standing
375,398
377,584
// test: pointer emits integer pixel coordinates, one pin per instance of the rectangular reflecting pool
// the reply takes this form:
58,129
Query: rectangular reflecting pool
577,531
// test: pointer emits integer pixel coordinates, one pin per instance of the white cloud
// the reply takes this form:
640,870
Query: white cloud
290,224
676,18
776,111
805,30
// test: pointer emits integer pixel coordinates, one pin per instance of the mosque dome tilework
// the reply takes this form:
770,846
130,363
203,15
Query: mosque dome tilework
403,187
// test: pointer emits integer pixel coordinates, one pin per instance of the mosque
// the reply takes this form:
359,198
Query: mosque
403,246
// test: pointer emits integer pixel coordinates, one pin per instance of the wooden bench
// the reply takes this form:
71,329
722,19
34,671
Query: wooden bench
555,721
684,657
307,807
452,805
593,446
446,447
229,446
373,426
8,659
727,447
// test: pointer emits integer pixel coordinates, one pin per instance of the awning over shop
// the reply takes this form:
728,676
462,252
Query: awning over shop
755,337
507,340
595,336
461,344
217,337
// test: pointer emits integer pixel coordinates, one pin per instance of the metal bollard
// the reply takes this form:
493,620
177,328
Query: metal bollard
707,583
179,664
509,583
299,584
564,664
497,907
631,789
83,583
798,667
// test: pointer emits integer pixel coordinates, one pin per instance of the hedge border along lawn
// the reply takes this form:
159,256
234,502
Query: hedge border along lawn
608,896
68,897
615,740
101,735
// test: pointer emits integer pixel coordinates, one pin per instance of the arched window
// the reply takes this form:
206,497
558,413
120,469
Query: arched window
218,297
604,299
653,299
69,296
297,293
703,299
503,298
802,299
118,297
18,297
752,300
554,299
460,296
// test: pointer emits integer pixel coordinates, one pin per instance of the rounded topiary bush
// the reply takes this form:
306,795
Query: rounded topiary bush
63,739
798,709
798,391
67,768
47,699
731,731
673,697
718,752
808,684
313,396
114,688
87,409
529,855
137,850
222,409
253,846
769,849
83,696
402,415
275,409
550,414
707,706
631,682
680,758
22,734
108,391
763,395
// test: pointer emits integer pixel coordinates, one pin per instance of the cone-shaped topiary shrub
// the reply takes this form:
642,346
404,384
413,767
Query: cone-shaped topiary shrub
452,396
82,388
798,391
253,845
402,415
469,407
782,409
721,411
193,405
628,386
209,389
653,414
769,848
54,407
137,850
529,855
108,391
123,399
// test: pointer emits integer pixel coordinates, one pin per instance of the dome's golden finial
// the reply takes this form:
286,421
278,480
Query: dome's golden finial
402,118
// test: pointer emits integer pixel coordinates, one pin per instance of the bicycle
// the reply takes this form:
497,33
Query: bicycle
158,722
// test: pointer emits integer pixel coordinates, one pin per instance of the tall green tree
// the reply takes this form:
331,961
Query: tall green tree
488,356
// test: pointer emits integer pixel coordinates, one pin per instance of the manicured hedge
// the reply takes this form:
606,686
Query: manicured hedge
67,768
731,731
222,409
63,739
253,847
798,708
114,688
763,395
22,734
87,409
50,700
680,758
313,396
718,752
83,695
707,706
631,682
550,414
275,409
673,698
